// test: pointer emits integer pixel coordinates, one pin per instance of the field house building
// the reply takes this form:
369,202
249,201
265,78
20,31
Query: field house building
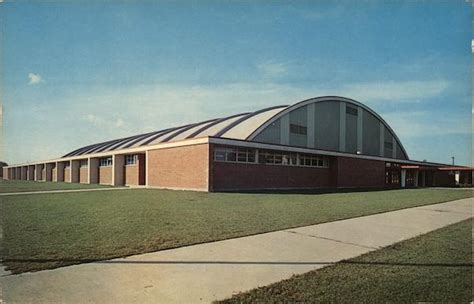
320,143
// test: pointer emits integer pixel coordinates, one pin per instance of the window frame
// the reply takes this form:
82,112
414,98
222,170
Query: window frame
105,161
269,157
298,129
239,155
352,111
131,159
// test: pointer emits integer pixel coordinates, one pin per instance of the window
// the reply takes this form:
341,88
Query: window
309,160
241,155
388,145
351,111
83,163
131,159
410,178
269,157
395,178
276,157
297,129
67,164
219,154
392,165
105,161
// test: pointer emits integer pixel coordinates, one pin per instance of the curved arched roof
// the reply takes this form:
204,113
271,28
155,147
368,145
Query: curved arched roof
238,126
322,99
244,126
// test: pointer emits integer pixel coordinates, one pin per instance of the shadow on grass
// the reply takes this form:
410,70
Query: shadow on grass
316,191
375,263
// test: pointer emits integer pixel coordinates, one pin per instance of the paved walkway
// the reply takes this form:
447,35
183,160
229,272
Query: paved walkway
213,271
64,191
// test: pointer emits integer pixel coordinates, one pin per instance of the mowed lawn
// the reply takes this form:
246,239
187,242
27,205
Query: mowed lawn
44,231
10,186
435,267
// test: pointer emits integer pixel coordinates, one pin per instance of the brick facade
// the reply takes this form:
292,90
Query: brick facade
192,167
364,173
54,175
235,176
84,175
131,175
343,172
135,174
105,175
67,175
185,167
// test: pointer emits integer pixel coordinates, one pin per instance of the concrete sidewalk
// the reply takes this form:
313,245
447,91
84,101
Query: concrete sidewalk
213,271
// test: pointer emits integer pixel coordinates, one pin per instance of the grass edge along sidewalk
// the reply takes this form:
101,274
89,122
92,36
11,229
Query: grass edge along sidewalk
434,267
47,231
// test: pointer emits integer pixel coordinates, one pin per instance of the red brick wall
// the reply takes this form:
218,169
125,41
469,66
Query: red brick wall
343,172
84,175
135,174
444,179
181,167
466,178
235,176
353,172
131,175
105,175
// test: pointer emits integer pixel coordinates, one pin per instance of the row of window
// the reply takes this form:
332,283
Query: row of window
234,155
245,155
107,161
392,165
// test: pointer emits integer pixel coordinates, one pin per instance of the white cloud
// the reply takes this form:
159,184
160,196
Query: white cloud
35,79
119,123
150,107
273,69
95,120
113,112
401,91
106,124
413,124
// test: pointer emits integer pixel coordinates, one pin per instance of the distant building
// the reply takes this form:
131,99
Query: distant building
324,142
2,164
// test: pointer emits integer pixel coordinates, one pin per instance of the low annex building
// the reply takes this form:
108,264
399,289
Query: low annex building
324,142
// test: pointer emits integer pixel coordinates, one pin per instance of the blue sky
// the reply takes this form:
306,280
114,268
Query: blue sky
76,73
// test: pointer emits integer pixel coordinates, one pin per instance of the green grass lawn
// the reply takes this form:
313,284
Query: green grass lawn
7,186
50,230
435,267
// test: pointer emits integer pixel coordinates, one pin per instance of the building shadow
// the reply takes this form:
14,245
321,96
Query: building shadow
314,191
257,263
